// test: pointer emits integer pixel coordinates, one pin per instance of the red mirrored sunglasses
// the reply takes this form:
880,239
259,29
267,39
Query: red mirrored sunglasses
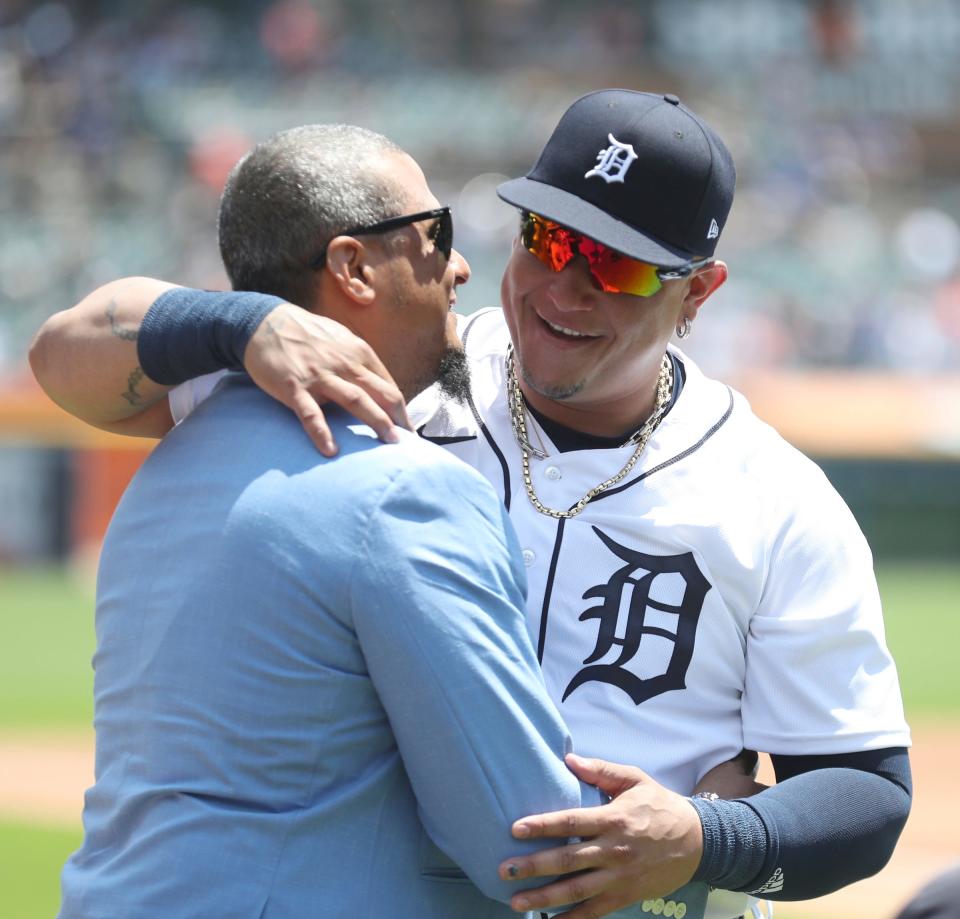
556,246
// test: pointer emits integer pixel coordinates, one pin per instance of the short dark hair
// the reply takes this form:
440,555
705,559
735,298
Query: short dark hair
290,195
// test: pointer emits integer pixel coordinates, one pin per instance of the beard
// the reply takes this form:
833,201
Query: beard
453,375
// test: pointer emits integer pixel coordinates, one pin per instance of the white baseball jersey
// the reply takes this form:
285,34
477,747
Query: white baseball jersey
720,597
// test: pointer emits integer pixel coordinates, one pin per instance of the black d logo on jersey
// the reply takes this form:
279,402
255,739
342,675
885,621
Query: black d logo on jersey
639,576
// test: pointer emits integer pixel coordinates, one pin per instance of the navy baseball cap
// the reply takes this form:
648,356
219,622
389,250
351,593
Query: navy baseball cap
636,171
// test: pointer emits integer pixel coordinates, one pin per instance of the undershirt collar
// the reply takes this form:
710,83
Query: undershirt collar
567,439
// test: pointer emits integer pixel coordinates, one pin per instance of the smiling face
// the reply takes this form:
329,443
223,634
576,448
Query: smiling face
586,358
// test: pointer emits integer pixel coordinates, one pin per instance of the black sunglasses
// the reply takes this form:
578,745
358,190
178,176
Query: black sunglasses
441,233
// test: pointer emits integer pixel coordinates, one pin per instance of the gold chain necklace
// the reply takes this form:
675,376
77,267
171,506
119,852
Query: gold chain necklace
640,437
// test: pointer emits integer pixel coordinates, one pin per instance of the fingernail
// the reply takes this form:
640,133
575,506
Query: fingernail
513,870
521,904
391,436
521,831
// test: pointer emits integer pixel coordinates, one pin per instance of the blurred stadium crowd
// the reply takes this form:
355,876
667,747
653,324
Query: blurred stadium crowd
119,122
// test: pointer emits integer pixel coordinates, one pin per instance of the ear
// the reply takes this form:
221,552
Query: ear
351,270
702,285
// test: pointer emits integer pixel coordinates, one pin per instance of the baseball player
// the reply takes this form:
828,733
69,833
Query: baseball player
696,585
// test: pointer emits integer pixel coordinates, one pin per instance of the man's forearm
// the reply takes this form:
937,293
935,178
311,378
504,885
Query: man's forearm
112,358
830,822
86,360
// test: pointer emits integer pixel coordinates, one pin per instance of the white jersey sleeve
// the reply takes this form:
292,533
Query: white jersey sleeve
819,677
187,396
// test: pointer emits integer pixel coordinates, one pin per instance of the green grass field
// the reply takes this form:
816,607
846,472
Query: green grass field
30,869
46,683
46,680
922,615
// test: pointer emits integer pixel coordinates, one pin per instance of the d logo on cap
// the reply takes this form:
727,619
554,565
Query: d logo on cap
613,161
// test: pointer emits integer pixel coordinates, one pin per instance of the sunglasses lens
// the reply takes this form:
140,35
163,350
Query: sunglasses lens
555,246
618,273
548,241
445,234
442,234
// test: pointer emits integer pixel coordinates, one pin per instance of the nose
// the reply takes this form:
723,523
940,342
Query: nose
460,266
573,288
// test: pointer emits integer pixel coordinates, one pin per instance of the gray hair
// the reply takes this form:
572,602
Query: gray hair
290,195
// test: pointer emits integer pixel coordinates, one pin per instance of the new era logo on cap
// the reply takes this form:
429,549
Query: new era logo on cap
667,177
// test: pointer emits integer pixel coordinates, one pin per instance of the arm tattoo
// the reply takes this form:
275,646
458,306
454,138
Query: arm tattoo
131,395
115,328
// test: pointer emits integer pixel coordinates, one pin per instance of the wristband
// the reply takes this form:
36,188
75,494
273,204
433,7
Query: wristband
187,333
734,842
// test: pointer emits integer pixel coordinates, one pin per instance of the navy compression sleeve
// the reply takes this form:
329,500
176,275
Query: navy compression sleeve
830,821
187,333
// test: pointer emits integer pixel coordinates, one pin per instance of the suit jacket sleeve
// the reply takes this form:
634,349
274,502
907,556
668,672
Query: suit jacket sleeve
437,599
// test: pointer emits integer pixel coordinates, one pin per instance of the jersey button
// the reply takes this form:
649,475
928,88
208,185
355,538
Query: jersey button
552,472
529,557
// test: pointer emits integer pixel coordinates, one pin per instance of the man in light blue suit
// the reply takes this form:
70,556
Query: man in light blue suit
315,691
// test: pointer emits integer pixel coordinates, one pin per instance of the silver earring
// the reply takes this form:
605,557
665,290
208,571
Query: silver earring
683,330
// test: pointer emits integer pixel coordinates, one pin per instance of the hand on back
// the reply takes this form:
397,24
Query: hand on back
304,360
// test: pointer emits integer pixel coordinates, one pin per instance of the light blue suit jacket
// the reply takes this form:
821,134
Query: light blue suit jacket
308,672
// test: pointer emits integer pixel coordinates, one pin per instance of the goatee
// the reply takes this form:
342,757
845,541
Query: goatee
453,375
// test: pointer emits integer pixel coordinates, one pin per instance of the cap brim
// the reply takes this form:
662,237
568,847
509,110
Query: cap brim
556,204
